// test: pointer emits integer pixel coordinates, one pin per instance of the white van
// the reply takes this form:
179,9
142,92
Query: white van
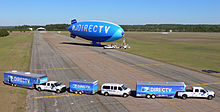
115,89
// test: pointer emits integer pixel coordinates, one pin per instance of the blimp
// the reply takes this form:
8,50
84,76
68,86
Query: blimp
96,31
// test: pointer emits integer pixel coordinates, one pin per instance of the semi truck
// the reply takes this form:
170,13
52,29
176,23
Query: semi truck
80,86
24,79
198,92
51,86
153,89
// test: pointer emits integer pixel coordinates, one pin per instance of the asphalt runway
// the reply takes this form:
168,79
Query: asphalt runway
46,59
63,59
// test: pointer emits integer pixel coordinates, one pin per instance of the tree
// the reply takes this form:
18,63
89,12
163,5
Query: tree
3,32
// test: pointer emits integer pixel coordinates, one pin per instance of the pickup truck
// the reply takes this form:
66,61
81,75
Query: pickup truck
51,86
196,92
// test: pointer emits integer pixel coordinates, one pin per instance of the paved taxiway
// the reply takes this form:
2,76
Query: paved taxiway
63,59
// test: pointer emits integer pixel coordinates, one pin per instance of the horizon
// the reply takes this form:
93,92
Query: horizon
122,12
119,24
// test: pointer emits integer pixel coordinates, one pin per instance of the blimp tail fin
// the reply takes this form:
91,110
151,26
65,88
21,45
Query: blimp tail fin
73,21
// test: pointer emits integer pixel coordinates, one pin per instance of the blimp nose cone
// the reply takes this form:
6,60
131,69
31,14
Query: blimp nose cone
118,34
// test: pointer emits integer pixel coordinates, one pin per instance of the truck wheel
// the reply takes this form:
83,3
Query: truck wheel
148,96
125,95
57,91
153,96
210,97
184,96
39,89
80,92
106,94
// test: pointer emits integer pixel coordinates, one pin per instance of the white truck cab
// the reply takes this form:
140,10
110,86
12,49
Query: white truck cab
196,92
51,86
115,89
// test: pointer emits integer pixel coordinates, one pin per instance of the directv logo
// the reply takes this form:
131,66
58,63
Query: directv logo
145,89
148,89
91,28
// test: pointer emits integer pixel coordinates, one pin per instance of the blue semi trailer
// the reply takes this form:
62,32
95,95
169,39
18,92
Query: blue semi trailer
153,89
24,79
79,86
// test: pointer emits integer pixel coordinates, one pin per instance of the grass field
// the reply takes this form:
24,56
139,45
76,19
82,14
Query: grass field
15,54
195,51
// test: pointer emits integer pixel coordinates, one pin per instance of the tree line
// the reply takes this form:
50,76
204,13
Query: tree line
173,27
143,28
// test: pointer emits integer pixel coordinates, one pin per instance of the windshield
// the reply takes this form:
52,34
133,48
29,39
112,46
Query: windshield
124,87
57,84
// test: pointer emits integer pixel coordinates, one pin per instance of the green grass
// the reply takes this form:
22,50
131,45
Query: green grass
15,54
194,51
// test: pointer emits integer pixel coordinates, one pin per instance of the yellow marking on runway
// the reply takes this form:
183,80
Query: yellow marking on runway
204,84
147,64
174,105
55,96
56,69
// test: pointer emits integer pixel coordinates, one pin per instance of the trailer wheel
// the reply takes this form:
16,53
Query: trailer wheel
80,92
125,95
184,96
39,89
76,92
148,96
210,97
153,96
57,91
106,94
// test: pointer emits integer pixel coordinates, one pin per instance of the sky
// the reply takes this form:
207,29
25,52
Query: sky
123,12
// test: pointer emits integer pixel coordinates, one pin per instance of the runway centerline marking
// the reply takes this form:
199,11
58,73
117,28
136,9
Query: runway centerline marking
147,64
204,84
55,68
55,96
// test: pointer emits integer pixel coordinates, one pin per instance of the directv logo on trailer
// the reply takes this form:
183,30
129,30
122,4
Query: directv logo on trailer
151,89
81,86
19,79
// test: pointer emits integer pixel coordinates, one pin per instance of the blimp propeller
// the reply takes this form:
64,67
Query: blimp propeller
96,31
